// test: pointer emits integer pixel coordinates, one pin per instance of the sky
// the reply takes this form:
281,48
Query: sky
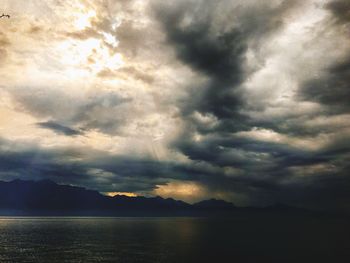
241,100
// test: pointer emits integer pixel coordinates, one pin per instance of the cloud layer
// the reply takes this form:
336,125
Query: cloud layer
242,100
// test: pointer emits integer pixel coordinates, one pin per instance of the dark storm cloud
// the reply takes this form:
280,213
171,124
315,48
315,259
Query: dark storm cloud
255,156
212,38
275,182
218,56
58,128
215,43
84,166
332,88
328,191
32,162
340,10
105,172
322,191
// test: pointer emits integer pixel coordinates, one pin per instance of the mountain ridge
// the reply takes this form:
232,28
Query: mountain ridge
27,197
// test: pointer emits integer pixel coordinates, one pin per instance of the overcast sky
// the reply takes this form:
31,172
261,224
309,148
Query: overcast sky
242,100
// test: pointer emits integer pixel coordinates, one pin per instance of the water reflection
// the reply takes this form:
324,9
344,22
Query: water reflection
171,240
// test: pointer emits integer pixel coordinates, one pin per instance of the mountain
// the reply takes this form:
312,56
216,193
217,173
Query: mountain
214,204
45,197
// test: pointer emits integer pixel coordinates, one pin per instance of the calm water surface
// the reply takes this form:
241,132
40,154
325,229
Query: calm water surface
174,240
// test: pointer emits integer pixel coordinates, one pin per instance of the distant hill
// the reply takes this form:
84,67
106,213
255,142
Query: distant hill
45,197
214,204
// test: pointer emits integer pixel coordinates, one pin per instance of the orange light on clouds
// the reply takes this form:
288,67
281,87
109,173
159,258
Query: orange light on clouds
128,194
188,191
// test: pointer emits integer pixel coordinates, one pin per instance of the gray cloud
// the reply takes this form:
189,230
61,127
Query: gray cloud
340,10
332,88
105,111
213,38
58,128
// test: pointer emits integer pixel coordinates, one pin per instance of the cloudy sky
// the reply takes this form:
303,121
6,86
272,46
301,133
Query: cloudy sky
243,100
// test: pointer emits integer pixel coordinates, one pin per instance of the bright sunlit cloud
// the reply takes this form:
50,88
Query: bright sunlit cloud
83,20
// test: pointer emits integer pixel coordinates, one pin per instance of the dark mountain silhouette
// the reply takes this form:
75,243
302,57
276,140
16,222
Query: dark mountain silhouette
45,197
214,204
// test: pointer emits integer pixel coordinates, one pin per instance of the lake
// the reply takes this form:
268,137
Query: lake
238,239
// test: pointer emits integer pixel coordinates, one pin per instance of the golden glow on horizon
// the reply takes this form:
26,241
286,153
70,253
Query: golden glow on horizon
188,191
128,194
